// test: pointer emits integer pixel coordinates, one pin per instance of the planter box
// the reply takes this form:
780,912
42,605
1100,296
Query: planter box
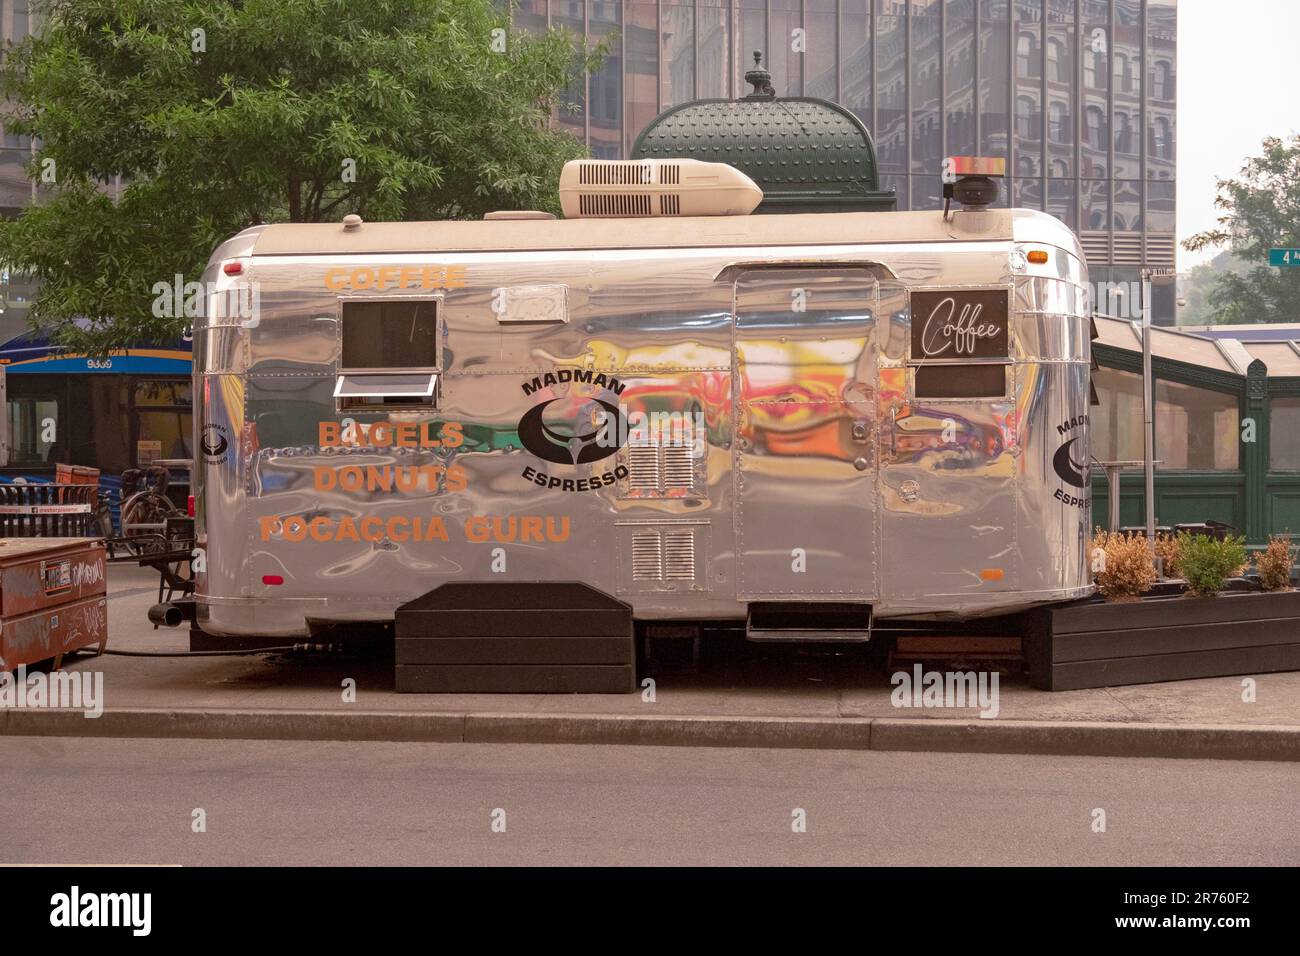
1095,643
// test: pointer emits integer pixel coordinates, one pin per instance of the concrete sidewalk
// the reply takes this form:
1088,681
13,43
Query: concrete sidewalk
774,697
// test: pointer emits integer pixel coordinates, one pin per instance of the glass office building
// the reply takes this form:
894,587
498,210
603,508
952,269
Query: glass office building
1077,95
16,189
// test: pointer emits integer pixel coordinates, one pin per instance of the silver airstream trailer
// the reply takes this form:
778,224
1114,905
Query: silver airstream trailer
704,415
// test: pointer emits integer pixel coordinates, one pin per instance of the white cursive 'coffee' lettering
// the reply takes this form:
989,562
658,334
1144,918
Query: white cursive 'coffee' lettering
941,332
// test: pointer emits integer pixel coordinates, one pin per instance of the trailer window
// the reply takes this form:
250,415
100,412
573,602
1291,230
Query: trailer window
401,334
961,381
388,354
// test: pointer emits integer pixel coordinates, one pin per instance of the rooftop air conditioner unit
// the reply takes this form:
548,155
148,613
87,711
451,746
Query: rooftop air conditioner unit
614,189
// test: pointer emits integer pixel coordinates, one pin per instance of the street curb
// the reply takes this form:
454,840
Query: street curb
807,733
237,725
1059,738
1089,739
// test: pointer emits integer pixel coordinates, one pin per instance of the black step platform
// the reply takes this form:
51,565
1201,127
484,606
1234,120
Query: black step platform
534,637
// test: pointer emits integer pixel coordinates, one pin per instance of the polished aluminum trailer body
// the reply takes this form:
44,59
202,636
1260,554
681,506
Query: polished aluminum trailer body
808,470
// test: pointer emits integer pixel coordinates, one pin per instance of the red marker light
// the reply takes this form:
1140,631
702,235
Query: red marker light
233,268
272,579
189,506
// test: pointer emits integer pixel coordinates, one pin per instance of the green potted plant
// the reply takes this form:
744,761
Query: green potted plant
1206,563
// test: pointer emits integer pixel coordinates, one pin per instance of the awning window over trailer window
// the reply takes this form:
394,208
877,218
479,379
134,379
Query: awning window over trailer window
421,385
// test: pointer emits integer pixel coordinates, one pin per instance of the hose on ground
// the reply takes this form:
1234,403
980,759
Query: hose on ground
255,650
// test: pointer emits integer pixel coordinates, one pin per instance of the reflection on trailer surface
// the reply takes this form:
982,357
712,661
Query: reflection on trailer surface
698,416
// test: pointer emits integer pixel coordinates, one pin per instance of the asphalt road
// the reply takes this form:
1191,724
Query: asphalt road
78,800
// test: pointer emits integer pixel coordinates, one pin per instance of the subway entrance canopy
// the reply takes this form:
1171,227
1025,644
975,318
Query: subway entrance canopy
806,154
1227,417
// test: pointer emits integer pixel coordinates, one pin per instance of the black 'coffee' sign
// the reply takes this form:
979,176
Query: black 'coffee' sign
961,324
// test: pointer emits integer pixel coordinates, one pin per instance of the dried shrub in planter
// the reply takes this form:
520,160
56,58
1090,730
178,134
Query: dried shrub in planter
1206,563
1274,564
1097,550
1129,569
1167,551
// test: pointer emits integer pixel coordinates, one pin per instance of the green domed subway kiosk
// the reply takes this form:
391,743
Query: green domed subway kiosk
806,154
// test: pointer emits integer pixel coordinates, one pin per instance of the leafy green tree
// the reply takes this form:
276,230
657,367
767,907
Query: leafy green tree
221,114
1261,211
1201,280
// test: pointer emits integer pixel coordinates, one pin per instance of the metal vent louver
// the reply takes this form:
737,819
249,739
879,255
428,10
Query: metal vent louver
670,204
679,555
676,467
613,204
1096,247
1128,249
643,467
666,554
661,470
615,174
647,556
1160,249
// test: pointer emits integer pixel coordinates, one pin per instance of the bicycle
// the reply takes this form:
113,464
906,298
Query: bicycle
146,508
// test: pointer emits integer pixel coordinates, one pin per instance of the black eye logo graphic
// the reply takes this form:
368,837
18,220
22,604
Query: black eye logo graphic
550,444
1065,467
210,447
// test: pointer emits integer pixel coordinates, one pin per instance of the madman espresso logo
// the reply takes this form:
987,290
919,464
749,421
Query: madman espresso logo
553,444
573,430
214,443
1064,463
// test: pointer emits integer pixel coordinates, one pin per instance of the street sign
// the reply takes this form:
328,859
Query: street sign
1284,257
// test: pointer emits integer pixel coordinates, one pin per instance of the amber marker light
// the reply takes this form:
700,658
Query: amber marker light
977,165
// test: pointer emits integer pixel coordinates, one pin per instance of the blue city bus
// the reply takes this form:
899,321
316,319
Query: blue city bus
115,413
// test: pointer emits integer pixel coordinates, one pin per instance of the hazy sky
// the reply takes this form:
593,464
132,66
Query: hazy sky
1238,81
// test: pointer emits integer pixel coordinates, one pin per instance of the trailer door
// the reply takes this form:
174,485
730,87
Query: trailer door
804,455
948,442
